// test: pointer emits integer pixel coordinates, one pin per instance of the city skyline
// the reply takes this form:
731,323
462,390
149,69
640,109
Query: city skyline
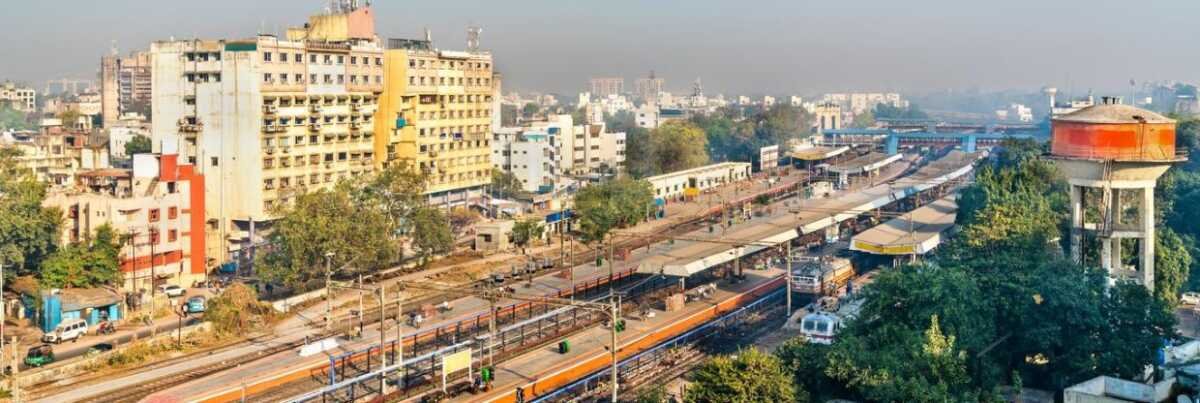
557,46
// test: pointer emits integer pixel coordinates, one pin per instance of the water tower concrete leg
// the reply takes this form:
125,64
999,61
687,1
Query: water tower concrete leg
1146,218
1076,224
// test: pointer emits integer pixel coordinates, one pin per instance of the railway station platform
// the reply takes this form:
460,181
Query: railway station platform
914,233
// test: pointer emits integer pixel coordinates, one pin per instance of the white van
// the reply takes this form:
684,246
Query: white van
70,329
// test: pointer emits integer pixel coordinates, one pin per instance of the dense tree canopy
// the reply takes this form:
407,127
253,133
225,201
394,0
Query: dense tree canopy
732,137
88,264
526,231
357,236
137,145
748,376
13,119
886,111
610,205
28,232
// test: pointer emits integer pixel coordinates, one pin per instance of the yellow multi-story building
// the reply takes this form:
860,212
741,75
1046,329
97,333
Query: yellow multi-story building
435,115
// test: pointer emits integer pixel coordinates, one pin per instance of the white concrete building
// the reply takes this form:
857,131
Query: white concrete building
692,182
264,119
531,156
20,98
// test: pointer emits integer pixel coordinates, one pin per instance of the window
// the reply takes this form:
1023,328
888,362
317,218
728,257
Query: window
353,60
268,184
378,79
328,79
341,59
283,79
299,78
153,235
172,213
153,215
299,58
312,59
312,78
267,56
171,235
328,59
378,61
267,77
214,161
341,78
353,79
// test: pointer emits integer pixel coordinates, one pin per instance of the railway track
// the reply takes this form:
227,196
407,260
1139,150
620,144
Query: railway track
148,387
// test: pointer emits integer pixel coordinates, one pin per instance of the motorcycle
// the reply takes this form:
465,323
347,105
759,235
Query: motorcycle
106,327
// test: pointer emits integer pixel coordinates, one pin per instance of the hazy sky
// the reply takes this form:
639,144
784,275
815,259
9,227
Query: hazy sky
736,46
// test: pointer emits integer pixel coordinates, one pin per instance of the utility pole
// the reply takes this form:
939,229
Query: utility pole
616,314
399,334
382,333
788,275
611,286
3,309
328,292
16,372
360,308
491,330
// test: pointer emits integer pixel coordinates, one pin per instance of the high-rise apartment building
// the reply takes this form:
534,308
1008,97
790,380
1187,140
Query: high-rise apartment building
647,89
265,119
436,115
607,86
125,85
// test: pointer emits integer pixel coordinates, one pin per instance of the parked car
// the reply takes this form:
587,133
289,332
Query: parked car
39,356
1190,298
171,290
70,329
194,305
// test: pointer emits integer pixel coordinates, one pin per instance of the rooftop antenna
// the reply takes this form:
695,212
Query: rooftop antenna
428,35
473,38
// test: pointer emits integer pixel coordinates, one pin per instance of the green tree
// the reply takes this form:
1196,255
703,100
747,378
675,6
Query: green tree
678,145
28,232
656,393
92,264
529,110
610,205
237,311
431,233
139,144
886,111
807,362
525,231
358,235
1172,265
397,192
506,185
747,376
863,120
13,119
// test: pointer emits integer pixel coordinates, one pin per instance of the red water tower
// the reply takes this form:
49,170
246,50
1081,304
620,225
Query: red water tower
1112,156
